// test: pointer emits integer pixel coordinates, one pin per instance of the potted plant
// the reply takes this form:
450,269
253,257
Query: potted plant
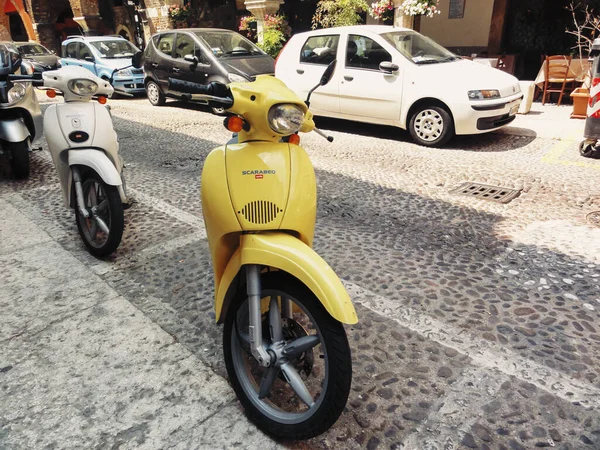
383,10
420,7
179,15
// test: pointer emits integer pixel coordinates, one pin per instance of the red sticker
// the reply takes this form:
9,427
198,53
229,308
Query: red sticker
258,176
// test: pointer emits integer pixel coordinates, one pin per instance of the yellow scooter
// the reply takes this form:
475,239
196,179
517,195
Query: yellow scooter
285,348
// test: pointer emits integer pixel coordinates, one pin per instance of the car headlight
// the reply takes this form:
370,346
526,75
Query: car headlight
285,119
485,94
82,86
235,78
16,93
124,73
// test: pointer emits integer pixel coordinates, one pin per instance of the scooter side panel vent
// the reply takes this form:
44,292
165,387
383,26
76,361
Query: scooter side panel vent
260,212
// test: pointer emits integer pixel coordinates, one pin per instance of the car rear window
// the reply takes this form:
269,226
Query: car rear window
320,49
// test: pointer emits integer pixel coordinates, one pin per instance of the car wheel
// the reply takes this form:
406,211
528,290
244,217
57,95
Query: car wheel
218,111
431,126
154,93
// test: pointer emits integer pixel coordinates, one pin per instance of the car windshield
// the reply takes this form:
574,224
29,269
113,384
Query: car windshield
228,44
113,49
33,50
418,48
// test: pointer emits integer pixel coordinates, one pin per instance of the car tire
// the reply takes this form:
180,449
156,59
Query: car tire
154,93
431,126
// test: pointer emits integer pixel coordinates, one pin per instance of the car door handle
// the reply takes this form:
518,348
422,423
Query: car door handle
176,70
299,71
347,78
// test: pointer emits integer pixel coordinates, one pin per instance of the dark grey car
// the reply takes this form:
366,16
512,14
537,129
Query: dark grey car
200,55
38,56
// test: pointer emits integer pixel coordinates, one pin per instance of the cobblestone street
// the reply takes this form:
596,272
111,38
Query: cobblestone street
478,321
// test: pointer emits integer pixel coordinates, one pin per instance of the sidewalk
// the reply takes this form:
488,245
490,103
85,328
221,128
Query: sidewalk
547,121
81,367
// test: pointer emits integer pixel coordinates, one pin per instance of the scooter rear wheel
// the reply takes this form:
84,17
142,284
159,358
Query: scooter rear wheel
19,152
102,231
276,399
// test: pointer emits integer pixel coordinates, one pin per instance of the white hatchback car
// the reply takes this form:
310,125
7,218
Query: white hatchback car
396,76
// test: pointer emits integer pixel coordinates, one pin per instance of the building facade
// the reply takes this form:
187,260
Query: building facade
525,27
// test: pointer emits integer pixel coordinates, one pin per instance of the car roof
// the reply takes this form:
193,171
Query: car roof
97,38
195,30
376,29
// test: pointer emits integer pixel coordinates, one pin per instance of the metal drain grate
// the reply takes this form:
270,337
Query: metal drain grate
593,218
485,191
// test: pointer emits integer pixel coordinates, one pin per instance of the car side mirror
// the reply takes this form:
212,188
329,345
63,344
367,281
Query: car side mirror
388,67
136,60
191,58
89,58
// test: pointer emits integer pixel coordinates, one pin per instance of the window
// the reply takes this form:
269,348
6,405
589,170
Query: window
115,48
320,49
364,53
71,50
184,45
33,50
165,43
84,52
228,44
418,48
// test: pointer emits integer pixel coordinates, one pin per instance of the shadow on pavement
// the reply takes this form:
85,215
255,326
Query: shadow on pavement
446,261
488,142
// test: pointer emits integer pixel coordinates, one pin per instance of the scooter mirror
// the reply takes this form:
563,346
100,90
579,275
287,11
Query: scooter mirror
326,77
136,60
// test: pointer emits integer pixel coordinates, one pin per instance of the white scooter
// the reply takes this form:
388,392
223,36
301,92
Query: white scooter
85,150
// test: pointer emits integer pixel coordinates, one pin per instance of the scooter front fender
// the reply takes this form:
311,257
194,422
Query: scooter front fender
289,254
13,130
99,162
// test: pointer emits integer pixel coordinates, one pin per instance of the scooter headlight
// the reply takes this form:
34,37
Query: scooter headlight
16,93
82,86
285,119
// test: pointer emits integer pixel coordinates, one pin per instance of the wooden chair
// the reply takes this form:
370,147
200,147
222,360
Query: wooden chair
557,75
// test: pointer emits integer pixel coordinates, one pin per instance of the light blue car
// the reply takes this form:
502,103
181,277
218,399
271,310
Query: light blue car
101,55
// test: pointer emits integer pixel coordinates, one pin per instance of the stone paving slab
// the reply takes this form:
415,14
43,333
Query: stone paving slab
38,287
16,231
105,377
80,367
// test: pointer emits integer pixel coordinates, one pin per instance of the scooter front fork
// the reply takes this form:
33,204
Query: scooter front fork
253,289
79,193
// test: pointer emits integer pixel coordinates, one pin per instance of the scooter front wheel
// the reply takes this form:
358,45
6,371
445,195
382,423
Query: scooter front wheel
19,152
102,231
304,391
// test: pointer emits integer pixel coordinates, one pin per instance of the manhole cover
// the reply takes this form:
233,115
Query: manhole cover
593,218
485,191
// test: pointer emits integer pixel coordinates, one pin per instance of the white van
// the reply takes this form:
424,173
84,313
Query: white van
396,76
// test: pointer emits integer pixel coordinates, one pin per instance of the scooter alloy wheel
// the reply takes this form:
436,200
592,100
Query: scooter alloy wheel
19,163
102,231
305,389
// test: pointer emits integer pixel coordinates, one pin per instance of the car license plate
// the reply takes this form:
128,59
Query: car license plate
513,110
